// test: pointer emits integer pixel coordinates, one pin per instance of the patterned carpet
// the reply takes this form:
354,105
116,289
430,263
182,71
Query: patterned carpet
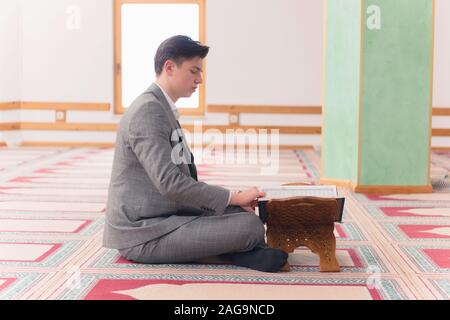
52,206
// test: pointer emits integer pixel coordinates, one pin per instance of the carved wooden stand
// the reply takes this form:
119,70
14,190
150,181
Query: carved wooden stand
304,221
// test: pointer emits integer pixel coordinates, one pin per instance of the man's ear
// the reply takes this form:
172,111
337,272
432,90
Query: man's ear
169,66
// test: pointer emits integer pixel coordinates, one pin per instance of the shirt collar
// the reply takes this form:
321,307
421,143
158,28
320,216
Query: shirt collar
170,102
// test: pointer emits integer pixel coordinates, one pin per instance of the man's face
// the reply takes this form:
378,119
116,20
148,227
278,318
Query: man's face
186,78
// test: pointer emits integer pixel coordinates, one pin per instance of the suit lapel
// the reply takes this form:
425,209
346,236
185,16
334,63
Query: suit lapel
175,125
156,91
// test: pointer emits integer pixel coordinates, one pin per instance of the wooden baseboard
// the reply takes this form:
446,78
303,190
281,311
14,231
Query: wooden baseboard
281,147
63,126
9,126
72,106
440,132
440,111
68,144
212,108
57,126
215,108
112,127
392,189
13,105
299,147
440,148
337,182
377,189
281,129
111,145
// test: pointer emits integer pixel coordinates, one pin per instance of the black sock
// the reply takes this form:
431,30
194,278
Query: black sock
261,259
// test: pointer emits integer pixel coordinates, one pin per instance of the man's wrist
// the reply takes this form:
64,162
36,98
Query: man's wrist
233,195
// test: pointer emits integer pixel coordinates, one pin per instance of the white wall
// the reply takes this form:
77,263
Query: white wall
10,59
10,51
64,65
277,51
441,81
262,52
441,95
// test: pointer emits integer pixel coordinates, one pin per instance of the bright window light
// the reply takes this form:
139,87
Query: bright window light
144,27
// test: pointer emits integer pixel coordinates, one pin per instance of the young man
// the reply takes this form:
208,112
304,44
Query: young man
157,211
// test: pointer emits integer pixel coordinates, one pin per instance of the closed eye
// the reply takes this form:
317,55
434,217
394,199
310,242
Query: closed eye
196,70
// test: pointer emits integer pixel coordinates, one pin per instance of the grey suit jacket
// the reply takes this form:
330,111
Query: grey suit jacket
150,194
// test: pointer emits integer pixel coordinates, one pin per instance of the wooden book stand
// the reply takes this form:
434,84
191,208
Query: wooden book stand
304,221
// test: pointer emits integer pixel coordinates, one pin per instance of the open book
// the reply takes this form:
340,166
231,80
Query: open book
326,191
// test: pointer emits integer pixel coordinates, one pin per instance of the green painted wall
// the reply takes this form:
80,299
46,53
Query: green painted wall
341,98
396,94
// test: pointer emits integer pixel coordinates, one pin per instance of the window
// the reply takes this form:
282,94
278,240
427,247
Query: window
140,26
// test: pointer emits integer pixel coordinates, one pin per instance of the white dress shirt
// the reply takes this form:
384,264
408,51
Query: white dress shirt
171,103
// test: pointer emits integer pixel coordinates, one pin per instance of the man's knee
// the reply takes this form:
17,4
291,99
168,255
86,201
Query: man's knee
251,230
126,253
134,254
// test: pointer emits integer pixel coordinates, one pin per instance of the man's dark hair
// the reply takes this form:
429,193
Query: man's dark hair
178,49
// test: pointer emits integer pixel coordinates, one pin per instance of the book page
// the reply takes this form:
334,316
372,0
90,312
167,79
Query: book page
328,191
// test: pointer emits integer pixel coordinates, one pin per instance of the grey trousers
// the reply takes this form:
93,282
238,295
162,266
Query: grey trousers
235,231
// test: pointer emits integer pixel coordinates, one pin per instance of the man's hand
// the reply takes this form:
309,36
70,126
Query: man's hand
247,199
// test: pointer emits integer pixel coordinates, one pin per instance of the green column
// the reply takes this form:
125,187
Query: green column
377,94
